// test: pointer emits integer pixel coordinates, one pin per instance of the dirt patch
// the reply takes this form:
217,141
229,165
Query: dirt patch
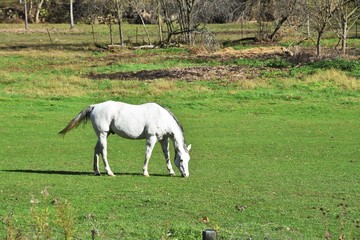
259,52
225,72
187,74
230,54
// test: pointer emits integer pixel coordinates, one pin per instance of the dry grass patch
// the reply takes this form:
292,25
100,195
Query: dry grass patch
162,85
333,78
69,86
250,84
6,78
120,88
255,52
50,53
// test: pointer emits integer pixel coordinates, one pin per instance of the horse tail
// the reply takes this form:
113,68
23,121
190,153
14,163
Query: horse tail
83,116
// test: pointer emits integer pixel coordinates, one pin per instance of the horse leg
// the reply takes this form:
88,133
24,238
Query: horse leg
165,149
103,144
150,143
97,152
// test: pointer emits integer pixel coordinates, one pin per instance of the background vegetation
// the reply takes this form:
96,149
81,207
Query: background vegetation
184,21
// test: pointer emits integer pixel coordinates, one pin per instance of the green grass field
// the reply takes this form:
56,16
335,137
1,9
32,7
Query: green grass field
274,155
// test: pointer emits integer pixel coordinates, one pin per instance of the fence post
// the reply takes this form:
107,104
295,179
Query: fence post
209,234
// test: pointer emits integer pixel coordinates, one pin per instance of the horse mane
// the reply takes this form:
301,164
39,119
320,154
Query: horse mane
176,120
178,123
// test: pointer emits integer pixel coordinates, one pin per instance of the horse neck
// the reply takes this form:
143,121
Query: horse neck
179,141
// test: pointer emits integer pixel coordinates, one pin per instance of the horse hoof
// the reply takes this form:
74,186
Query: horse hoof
97,174
146,175
172,174
111,174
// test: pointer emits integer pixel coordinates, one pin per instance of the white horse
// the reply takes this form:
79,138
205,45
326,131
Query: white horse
148,121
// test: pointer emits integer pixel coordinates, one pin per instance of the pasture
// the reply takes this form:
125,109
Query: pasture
275,146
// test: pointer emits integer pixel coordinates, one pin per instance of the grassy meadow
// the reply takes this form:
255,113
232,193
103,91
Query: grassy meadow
275,145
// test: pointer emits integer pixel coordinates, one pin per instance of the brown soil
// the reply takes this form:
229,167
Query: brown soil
225,72
188,74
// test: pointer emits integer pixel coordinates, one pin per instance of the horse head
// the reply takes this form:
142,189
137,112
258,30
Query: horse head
182,159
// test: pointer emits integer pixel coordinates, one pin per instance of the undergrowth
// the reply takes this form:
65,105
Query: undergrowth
47,218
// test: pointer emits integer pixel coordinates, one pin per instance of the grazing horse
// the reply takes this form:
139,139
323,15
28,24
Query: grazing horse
148,121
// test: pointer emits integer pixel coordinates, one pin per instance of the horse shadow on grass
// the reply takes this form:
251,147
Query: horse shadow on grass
77,173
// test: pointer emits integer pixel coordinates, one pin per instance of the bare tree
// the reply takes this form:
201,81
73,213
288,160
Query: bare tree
283,10
321,12
26,14
38,10
107,12
267,12
345,17
186,23
119,16
324,11
72,25
140,9
159,21
165,10
184,18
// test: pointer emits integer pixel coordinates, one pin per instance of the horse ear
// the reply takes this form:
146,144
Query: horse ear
188,148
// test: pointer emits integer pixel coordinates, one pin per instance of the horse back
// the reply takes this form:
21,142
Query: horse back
130,121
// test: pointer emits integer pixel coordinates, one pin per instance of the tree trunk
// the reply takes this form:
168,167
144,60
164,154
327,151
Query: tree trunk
307,20
93,32
119,18
167,21
30,10
71,15
159,23
181,19
345,24
26,16
144,26
185,19
308,27
277,28
318,43
343,35
109,24
38,9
